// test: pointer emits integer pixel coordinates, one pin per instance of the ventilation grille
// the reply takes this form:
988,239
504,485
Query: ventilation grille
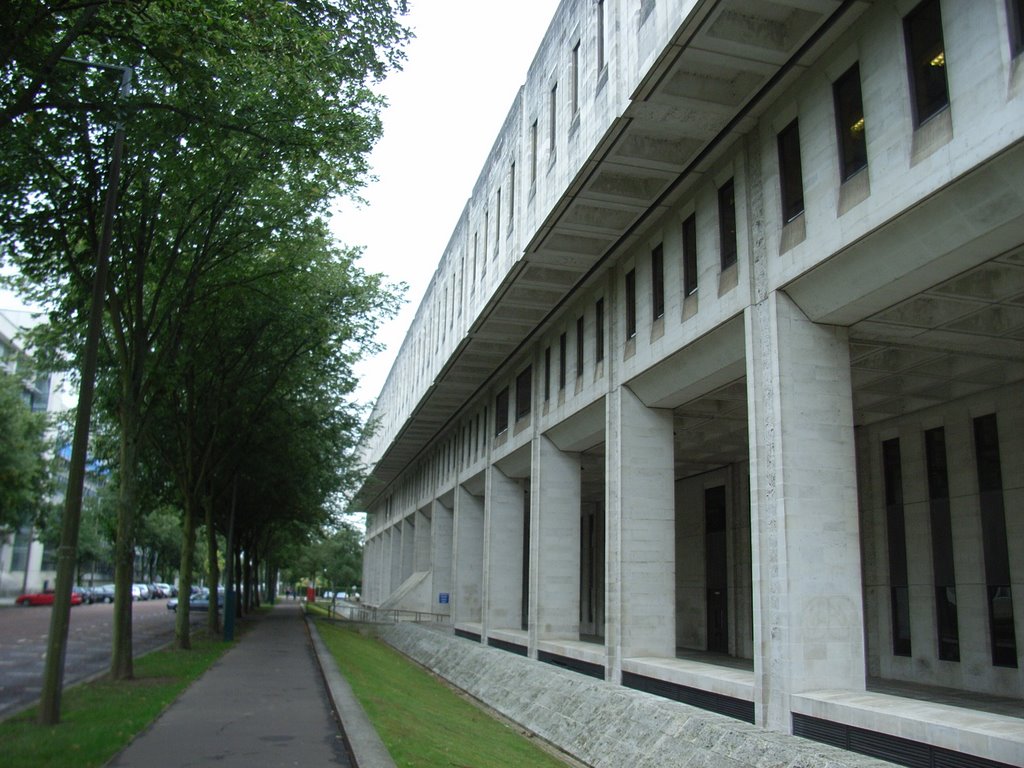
519,650
912,754
712,702
574,665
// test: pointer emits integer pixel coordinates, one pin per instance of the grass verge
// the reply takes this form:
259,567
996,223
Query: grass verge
421,721
101,717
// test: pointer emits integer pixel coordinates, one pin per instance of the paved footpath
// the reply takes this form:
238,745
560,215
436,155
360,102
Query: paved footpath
263,704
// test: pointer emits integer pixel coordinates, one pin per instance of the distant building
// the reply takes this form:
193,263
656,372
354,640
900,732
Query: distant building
718,389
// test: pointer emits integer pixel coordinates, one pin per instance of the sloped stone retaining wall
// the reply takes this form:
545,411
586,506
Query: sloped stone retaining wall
606,725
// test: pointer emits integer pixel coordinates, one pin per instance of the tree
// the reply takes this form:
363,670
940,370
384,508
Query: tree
23,472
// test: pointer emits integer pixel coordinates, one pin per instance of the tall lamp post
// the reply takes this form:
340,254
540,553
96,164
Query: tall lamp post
56,647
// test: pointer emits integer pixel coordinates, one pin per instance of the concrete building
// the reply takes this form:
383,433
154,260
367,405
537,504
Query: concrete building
717,389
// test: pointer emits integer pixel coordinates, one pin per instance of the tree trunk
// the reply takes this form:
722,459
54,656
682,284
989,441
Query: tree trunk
213,617
121,662
182,634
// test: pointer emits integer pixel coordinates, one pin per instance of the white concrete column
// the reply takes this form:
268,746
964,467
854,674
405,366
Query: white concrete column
555,498
441,554
408,549
640,548
805,547
421,545
503,552
468,557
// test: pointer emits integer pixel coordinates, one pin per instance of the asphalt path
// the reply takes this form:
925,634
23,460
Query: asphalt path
23,633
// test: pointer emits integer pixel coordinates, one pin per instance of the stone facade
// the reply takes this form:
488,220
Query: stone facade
717,389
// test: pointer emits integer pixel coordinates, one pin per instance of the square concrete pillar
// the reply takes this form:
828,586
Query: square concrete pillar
640,548
408,549
503,552
395,559
808,606
555,543
442,522
468,557
421,545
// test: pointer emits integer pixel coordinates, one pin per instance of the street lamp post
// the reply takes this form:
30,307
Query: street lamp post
56,647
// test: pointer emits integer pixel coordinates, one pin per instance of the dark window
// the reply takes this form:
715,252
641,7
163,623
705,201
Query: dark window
631,304
716,570
790,172
943,569
579,346
993,540
575,82
511,193
1016,12
501,412
690,256
524,393
599,331
547,374
658,282
533,152
853,145
896,531
600,35
562,345
727,223
926,58
553,108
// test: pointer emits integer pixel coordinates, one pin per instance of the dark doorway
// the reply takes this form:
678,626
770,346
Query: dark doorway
716,564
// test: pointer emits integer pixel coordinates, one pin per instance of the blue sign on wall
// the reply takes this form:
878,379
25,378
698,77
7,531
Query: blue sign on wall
442,598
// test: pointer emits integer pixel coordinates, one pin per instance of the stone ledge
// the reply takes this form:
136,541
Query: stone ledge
605,725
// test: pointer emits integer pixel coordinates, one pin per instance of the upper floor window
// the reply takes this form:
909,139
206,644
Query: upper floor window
533,152
501,411
574,81
790,172
599,330
727,223
562,363
1015,9
553,109
579,346
853,145
547,374
524,392
658,282
631,304
600,35
926,59
511,193
690,255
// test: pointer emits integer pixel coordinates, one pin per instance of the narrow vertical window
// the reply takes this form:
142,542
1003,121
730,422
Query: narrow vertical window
943,569
896,531
926,59
600,35
497,223
853,145
533,152
690,255
993,541
574,82
547,374
631,304
562,362
553,110
727,223
1015,9
487,238
579,346
599,330
501,411
511,193
472,269
790,172
524,393
658,282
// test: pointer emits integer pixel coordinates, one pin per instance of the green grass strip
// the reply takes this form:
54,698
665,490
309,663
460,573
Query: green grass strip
100,718
421,721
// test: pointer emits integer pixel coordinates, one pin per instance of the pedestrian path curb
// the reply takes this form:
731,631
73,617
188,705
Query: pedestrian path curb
368,751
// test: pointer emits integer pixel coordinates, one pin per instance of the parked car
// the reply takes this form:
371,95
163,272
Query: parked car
82,592
199,601
140,592
44,598
104,593
158,589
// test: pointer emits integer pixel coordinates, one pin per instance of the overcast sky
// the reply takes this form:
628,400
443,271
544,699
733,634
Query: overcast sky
462,73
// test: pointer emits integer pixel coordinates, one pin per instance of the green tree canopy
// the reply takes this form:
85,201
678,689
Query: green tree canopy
23,466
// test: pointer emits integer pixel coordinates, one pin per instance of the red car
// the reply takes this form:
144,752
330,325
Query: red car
44,598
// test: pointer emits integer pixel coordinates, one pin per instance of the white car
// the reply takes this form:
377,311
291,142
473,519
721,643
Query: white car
140,592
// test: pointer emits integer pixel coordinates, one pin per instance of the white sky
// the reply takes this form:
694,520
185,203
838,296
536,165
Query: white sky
461,75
